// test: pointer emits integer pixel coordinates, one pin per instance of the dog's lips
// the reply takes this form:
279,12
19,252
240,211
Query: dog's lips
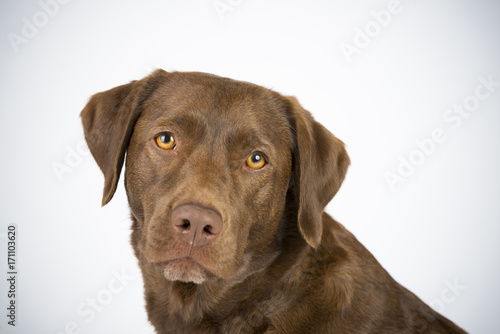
185,264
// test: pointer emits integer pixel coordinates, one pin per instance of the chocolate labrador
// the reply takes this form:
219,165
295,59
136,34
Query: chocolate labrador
227,182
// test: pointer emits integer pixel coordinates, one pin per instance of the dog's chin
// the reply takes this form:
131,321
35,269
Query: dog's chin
185,270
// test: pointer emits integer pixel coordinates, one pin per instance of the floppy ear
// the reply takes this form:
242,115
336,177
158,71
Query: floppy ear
320,166
108,121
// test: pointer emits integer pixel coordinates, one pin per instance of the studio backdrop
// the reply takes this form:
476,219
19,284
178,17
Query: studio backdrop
411,86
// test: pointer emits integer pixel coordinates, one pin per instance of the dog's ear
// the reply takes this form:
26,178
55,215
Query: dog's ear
108,121
320,166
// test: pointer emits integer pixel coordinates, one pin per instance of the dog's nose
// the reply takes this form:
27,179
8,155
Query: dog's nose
196,225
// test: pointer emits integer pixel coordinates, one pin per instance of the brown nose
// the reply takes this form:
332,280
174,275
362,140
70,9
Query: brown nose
196,225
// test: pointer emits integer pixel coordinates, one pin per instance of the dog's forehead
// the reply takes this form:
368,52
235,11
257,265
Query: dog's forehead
219,103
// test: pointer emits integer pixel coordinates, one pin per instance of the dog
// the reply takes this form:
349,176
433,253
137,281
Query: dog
227,183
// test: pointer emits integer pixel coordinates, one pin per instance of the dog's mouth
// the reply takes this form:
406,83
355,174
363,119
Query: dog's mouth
186,270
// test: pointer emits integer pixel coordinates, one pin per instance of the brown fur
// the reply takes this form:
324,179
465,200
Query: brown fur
280,264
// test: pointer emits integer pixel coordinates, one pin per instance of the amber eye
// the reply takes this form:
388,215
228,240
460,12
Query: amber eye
165,141
256,161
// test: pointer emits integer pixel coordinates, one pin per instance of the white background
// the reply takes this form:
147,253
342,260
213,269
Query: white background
438,227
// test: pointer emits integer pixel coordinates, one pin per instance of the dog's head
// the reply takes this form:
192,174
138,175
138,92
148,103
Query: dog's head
211,165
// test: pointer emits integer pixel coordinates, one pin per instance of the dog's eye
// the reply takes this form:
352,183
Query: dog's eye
256,161
165,141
